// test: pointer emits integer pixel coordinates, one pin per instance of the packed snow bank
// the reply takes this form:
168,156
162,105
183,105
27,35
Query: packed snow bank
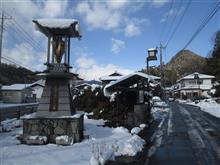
159,109
10,124
102,144
208,105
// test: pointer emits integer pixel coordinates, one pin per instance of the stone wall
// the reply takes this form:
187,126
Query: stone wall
54,127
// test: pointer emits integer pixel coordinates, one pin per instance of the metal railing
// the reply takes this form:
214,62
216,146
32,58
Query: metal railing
16,110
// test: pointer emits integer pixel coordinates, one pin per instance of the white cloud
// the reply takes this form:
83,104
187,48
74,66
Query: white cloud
24,54
117,45
132,30
89,69
117,4
133,26
99,15
84,62
111,15
158,3
54,8
172,13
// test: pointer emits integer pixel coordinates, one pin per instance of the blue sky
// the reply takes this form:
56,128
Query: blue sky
116,33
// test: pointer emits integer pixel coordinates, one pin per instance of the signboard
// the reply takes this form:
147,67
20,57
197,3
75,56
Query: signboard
58,68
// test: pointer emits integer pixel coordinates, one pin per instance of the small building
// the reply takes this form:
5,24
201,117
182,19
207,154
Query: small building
112,77
133,91
193,85
18,93
22,93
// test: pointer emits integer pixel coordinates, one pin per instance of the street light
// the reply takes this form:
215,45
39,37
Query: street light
152,55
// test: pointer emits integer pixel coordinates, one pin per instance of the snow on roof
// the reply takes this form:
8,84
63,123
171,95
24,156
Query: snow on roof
152,49
56,27
55,23
15,86
40,82
202,76
149,77
110,78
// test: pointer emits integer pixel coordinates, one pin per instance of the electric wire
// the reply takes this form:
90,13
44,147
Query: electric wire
175,13
166,20
179,22
203,24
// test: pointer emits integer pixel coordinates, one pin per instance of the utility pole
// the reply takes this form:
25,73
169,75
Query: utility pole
161,68
1,33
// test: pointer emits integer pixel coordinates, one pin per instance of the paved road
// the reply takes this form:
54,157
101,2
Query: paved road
189,137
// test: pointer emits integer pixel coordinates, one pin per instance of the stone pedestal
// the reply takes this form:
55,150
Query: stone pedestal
54,127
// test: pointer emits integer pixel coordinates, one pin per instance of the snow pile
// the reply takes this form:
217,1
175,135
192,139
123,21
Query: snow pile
11,124
113,96
94,86
130,146
136,130
102,144
159,109
64,140
122,143
36,140
156,98
210,106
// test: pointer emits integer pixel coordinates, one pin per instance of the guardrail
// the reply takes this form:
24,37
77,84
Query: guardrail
16,110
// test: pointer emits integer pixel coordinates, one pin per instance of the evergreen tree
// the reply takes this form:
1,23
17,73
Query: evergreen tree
214,61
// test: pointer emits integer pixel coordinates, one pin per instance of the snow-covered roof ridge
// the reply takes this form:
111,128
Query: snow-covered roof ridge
202,76
109,78
149,77
56,22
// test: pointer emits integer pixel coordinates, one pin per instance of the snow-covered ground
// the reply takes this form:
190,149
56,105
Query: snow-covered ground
103,143
208,105
159,109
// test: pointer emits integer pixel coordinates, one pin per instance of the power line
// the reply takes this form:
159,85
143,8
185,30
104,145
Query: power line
179,22
15,62
174,19
166,20
204,23
20,29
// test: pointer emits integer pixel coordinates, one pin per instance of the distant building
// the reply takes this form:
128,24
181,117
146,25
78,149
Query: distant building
112,77
193,85
22,93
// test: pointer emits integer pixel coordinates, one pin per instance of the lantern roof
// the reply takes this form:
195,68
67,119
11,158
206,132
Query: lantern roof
58,27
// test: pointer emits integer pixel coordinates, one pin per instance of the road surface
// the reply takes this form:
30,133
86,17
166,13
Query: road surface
188,137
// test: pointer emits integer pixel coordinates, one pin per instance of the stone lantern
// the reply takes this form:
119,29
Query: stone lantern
55,114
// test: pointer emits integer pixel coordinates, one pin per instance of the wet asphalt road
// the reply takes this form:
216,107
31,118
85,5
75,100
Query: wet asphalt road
189,137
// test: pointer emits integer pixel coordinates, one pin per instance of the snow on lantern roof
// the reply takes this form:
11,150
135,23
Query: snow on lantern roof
58,26
56,23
